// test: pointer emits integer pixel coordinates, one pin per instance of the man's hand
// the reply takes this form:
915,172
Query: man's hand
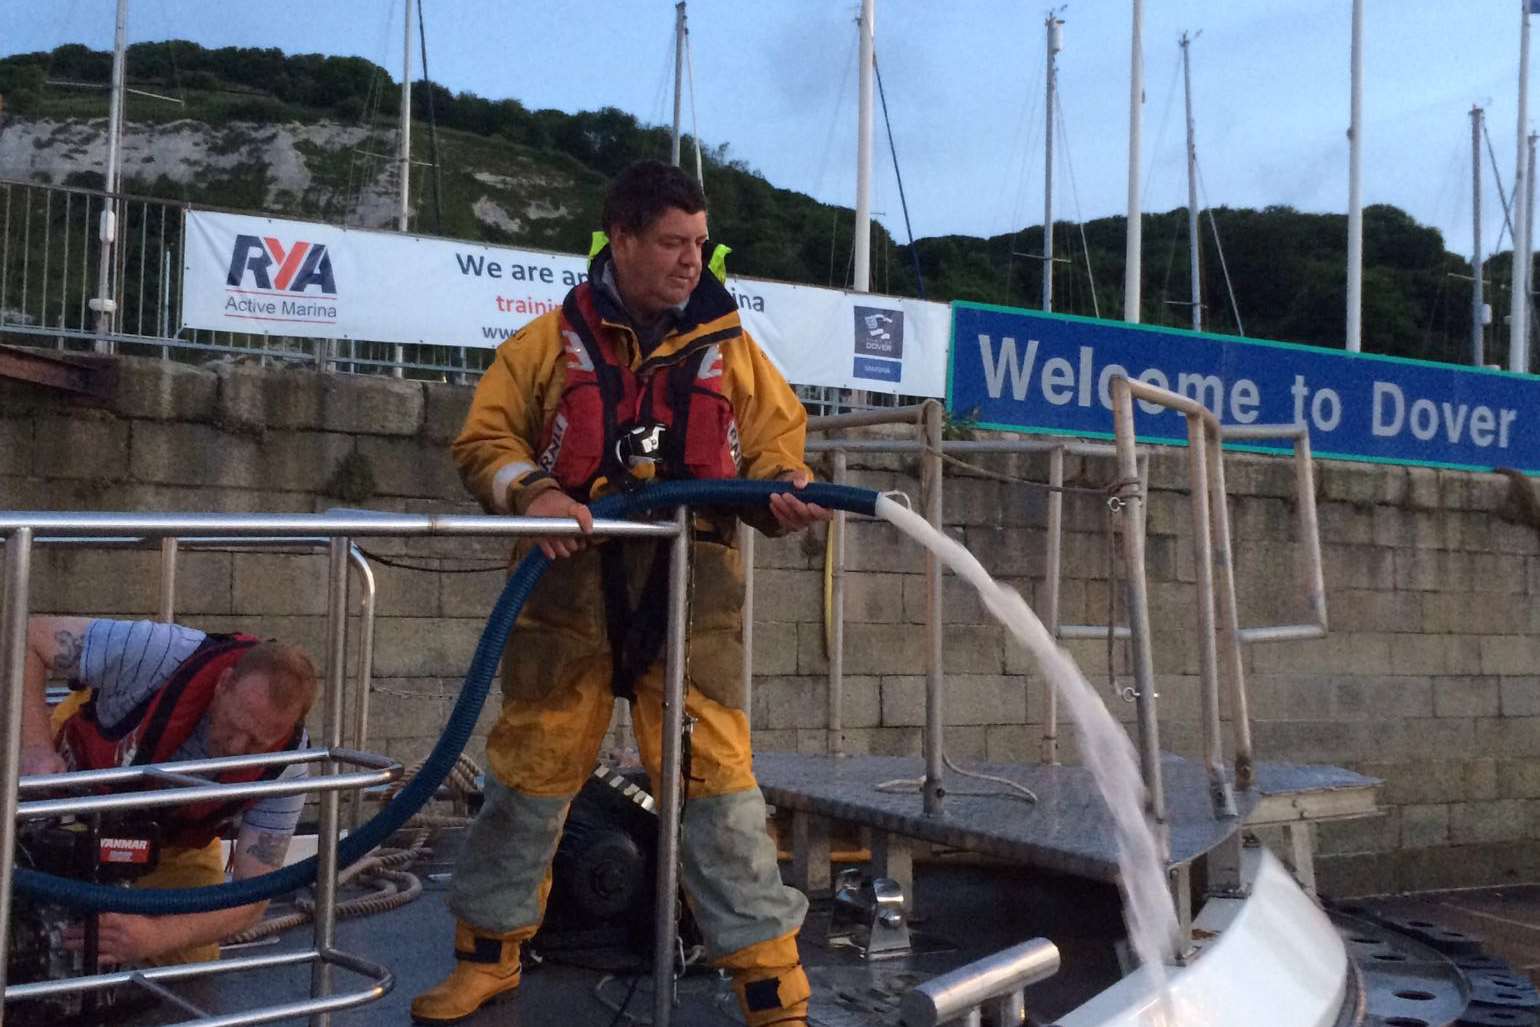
791,513
41,759
556,503
124,938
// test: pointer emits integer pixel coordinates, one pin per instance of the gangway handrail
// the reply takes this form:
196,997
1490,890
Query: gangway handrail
996,979
1217,626
1307,524
840,448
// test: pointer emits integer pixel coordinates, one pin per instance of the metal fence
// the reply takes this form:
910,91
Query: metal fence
50,266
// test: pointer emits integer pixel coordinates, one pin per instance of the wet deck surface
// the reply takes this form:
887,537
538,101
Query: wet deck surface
964,912
1506,919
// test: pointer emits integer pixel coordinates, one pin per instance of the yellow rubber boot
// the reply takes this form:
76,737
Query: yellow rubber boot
486,966
771,986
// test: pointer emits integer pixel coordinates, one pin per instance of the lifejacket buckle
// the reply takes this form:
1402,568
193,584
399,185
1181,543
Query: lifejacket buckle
640,444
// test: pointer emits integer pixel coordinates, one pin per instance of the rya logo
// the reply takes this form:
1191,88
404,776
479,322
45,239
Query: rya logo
274,267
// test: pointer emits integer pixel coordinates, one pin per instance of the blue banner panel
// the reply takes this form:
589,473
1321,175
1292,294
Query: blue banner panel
1020,370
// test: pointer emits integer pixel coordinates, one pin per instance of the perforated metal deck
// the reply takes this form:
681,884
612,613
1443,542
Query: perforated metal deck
1068,829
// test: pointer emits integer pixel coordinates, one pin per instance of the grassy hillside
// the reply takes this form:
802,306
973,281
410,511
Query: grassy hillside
313,136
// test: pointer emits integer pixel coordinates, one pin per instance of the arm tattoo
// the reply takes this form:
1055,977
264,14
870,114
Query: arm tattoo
269,848
66,657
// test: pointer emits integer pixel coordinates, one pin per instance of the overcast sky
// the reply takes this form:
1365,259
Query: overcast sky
775,80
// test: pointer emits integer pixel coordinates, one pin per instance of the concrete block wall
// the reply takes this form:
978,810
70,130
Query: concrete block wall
1430,678
235,438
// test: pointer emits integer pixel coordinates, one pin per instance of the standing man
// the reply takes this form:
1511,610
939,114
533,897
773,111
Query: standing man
146,692
645,371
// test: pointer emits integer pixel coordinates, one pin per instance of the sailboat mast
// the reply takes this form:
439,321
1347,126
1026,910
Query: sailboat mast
863,239
1055,44
103,303
679,30
1518,346
1132,269
1192,193
1355,241
404,158
1526,287
1478,302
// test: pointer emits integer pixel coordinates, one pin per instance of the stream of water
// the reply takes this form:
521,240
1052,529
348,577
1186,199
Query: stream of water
1105,748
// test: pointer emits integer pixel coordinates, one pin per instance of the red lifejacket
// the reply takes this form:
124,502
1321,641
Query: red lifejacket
155,729
603,399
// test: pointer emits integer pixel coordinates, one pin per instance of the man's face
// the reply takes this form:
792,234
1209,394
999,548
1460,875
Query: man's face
243,720
658,267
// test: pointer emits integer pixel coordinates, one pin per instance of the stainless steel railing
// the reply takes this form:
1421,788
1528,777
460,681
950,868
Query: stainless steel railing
1220,636
994,982
21,530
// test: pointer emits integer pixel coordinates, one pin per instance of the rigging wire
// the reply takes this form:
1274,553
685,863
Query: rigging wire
660,96
1502,195
364,162
1219,248
914,253
1021,146
689,65
427,85
1074,191
828,146
1160,136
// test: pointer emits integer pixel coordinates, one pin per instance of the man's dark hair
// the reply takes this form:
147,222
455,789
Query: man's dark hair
643,191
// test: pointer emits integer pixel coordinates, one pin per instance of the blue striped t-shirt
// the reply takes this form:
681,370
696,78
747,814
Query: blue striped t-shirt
125,661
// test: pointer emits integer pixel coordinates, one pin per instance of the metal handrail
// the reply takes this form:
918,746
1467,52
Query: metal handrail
382,983
19,531
1218,638
997,980
1057,449
380,770
1311,568
170,548
299,526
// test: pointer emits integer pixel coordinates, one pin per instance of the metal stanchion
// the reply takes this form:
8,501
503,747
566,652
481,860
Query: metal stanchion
1053,568
1229,619
13,665
672,725
1138,601
746,551
935,721
1220,794
327,828
365,677
836,615
168,556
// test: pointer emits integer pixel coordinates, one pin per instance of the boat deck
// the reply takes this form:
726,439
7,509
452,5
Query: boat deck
964,913
1053,875
1068,829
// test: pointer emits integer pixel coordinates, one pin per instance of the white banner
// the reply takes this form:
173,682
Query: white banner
299,278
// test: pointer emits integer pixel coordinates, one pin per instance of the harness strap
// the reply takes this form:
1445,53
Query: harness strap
681,380
611,392
636,635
